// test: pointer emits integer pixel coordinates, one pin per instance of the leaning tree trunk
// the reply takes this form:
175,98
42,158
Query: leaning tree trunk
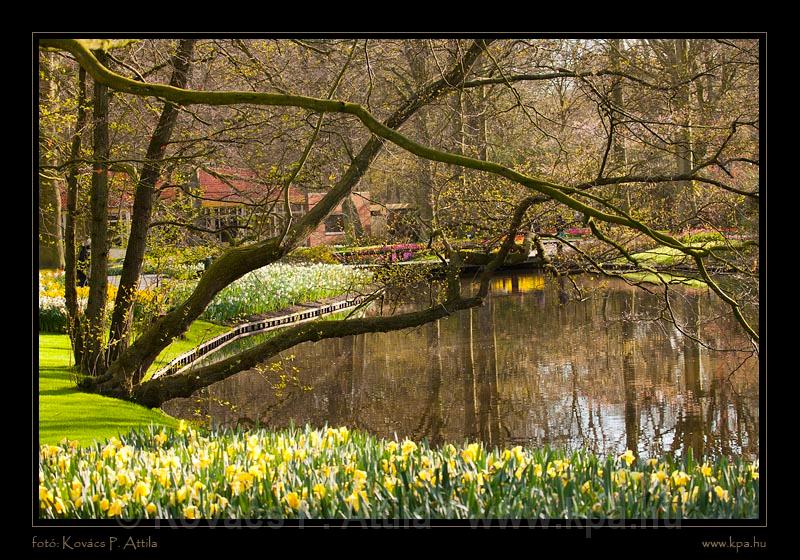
143,205
131,365
93,362
70,272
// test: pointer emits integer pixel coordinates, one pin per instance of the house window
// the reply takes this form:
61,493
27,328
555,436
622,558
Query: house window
222,218
334,223
298,209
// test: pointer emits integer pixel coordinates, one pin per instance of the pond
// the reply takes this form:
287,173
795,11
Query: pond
534,365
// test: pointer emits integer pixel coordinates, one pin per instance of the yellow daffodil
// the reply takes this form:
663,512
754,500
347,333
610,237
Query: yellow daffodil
353,501
151,508
680,478
721,493
104,504
425,475
123,479
76,489
658,477
191,512
408,447
115,509
470,453
359,479
628,457
706,470
45,496
391,447
59,505
319,491
160,438
141,490
292,500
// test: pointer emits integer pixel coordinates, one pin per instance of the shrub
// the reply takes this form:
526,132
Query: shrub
323,254
52,315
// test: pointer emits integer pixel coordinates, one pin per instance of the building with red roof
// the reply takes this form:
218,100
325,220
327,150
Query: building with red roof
229,199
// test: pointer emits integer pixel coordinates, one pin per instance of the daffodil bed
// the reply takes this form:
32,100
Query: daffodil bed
265,290
334,473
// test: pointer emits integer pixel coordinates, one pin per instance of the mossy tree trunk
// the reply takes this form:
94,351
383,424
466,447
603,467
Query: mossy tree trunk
143,205
51,250
93,360
70,271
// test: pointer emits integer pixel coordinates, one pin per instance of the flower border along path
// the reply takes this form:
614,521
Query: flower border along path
308,312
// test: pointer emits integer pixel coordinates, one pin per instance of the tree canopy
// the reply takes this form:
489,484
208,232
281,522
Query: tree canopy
639,142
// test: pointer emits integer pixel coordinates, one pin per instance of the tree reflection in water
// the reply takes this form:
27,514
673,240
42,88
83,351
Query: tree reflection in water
526,368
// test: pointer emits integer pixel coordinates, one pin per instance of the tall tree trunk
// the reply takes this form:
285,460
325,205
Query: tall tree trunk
143,205
93,362
416,59
51,251
684,157
70,272
618,150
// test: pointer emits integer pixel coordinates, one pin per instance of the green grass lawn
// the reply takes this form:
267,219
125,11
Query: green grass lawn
198,333
67,412
668,256
669,278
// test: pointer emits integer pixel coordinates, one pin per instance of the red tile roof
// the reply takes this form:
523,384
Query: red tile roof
230,186
225,186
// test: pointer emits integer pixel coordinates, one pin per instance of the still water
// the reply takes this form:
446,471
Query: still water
534,365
